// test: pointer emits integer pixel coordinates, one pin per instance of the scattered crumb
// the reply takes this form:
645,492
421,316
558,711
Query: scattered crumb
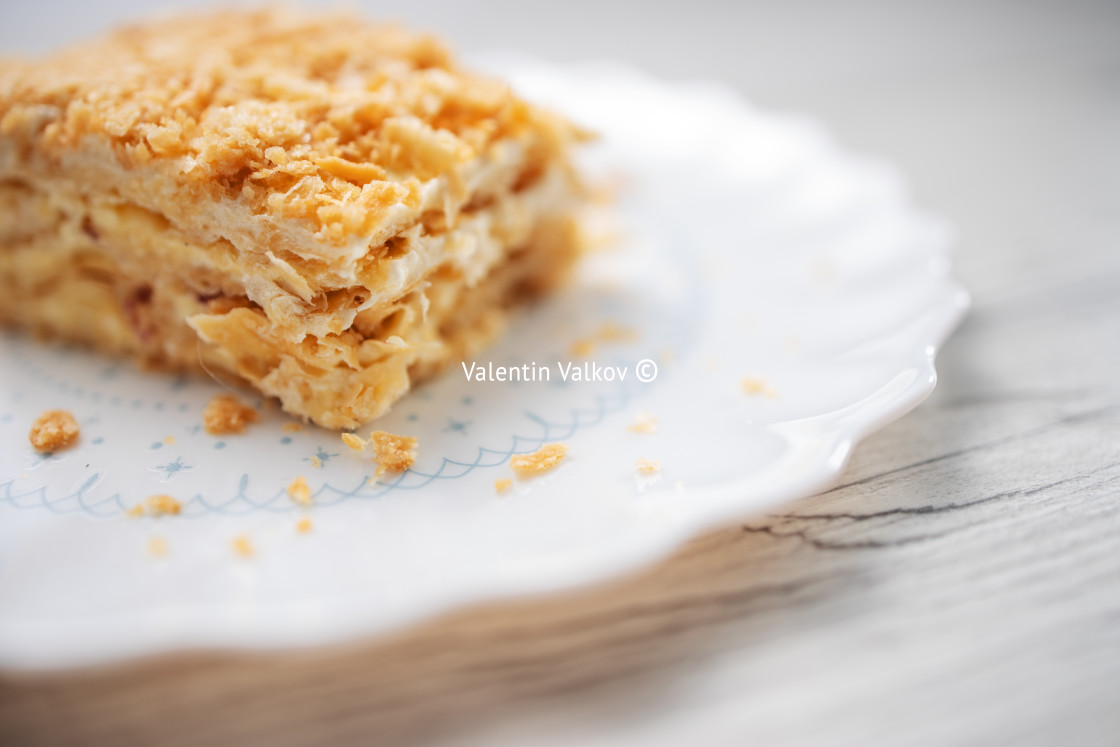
758,386
168,440
541,460
754,386
393,453
666,356
354,442
647,466
225,414
155,505
299,492
303,526
607,332
291,427
243,546
54,430
162,505
316,462
583,348
611,332
157,547
502,485
644,423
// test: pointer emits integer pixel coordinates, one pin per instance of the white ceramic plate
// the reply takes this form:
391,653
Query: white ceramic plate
750,246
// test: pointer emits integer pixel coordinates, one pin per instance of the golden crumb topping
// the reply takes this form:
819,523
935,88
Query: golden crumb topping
320,117
225,415
502,485
393,453
299,492
303,526
54,430
541,460
647,466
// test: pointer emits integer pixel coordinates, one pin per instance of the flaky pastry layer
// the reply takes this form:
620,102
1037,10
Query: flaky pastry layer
329,209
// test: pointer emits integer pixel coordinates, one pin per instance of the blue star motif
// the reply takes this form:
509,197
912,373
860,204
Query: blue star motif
457,426
321,455
171,469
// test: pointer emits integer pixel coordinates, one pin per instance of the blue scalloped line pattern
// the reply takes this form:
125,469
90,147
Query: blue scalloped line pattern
241,504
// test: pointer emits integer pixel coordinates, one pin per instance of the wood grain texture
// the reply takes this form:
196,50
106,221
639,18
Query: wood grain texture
960,585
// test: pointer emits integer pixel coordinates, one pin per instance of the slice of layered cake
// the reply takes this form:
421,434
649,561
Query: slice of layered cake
328,209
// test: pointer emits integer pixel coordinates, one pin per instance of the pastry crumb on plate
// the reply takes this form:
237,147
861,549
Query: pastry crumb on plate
226,415
754,386
299,491
644,423
54,430
155,505
243,546
353,441
542,460
393,453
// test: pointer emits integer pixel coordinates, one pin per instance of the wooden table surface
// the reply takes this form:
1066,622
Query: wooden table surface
961,585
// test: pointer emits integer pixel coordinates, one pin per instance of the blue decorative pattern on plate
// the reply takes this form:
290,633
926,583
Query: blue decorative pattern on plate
751,249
